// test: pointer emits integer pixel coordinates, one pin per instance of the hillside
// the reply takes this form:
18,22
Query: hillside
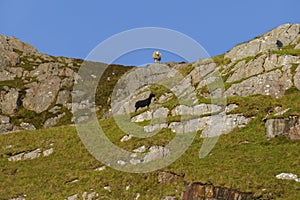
254,87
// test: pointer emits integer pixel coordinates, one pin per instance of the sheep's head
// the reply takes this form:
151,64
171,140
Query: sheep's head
151,95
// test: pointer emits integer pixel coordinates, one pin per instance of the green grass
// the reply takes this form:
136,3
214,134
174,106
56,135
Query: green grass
244,159
221,60
186,70
16,83
247,166
287,50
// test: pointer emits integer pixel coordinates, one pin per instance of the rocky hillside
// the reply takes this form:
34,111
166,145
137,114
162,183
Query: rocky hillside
255,87
36,88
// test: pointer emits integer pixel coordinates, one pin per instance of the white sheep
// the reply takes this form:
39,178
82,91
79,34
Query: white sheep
156,56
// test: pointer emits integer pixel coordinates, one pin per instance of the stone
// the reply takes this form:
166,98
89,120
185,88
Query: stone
203,69
214,125
21,46
142,117
169,198
273,83
48,69
4,119
188,126
137,196
252,68
210,192
151,114
67,83
108,188
197,110
48,152
165,97
127,187
67,72
40,96
8,58
230,107
287,34
27,126
121,162
63,97
89,196
6,76
126,138
155,127
185,91
141,149
182,110
19,198
297,78
16,71
285,60
134,161
271,62
8,101
4,128
282,112
33,154
55,109
16,157
73,197
288,176
100,168
155,153
217,125
53,121
4,48
160,113
167,177
289,127
204,109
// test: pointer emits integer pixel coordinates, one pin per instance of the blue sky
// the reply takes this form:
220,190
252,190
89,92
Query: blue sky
73,28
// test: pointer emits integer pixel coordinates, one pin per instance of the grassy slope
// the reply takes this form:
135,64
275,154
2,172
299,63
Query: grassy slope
244,159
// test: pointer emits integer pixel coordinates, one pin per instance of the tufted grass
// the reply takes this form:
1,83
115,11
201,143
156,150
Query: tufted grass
221,60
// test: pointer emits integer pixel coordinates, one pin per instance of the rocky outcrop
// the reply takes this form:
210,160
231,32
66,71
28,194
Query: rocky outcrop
31,155
34,82
273,83
8,100
287,34
229,122
288,176
8,57
297,78
167,177
5,125
150,114
211,192
288,127
197,110
40,95
266,75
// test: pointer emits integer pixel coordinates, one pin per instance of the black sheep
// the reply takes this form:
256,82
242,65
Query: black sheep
144,103
279,44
